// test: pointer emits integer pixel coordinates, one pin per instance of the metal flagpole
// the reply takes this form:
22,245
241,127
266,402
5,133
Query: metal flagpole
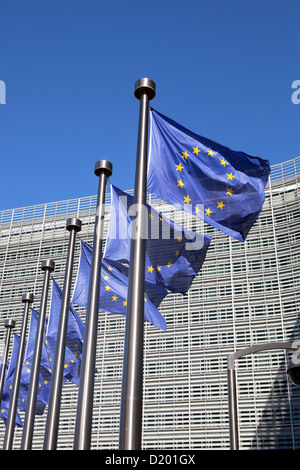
47,266
27,299
232,406
83,426
9,325
51,432
132,382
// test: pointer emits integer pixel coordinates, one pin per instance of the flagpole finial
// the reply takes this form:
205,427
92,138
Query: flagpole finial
144,85
103,165
27,298
48,264
74,223
10,323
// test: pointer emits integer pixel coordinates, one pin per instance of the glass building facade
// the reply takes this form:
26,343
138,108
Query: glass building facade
246,293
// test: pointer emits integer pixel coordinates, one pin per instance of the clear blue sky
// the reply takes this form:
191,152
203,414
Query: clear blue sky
223,68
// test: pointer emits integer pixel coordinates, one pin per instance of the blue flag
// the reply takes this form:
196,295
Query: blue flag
29,352
113,289
8,383
45,372
174,255
75,335
223,187
75,324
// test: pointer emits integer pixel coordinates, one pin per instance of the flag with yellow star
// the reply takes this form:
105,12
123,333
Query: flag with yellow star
75,324
75,335
113,289
45,372
223,187
174,255
8,383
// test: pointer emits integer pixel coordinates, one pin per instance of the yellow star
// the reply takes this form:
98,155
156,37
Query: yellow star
107,288
196,150
220,205
222,160
151,216
179,239
230,176
150,269
158,268
185,155
179,167
109,268
186,199
229,191
180,183
124,303
177,252
169,264
145,299
210,152
197,210
208,212
114,298
106,277
66,366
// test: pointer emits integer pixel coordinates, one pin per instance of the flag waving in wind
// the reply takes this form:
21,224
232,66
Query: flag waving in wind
223,187
174,255
8,383
113,289
45,373
75,335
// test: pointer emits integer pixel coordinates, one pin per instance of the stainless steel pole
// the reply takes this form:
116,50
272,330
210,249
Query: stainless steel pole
232,407
27,299
83,426
51,432
9,325
47,266
132,382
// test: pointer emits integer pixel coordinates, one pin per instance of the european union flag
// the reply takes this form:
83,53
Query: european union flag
75,335
223,187
5,410
174,255
113,289
29,352
75,324
8,383
45,374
